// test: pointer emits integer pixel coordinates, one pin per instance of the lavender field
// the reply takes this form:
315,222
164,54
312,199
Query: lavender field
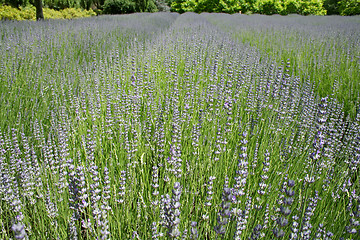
168,126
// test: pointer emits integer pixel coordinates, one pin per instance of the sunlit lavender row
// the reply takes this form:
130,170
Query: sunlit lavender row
168,126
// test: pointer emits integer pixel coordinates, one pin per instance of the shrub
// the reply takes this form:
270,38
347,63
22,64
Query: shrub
182,6
70,13
270,7
9,13
52,14
162,6
151,7
349,7
28,13
229,6
118,6
292,6
331,6
312,7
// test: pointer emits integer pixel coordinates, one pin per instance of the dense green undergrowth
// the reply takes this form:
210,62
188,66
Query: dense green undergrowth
28,13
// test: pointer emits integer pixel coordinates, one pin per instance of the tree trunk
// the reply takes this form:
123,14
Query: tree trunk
39,10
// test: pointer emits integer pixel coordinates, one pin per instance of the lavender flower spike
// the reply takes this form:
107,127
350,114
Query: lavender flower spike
19,231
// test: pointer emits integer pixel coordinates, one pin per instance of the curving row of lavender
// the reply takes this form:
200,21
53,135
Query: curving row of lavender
324,49
164,126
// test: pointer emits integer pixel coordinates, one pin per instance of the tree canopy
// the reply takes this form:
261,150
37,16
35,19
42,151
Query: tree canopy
269,7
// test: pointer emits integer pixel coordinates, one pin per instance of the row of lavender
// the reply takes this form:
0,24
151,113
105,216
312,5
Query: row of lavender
325,49
158,126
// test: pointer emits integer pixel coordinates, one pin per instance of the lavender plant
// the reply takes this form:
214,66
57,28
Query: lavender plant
158,126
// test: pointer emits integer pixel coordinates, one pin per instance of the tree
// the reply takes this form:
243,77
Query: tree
39,10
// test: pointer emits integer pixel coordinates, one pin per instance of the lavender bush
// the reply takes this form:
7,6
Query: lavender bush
168,126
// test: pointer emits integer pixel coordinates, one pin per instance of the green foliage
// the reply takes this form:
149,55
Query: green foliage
312,7
145,6
182,6
15,3
284,7
118,6
70,13
162,5
208,6
51,14
61,4
229,6
9,13
226,6
331,6
86,4
99,4
349,7
151,7
269,7
248,6
28,13
292,7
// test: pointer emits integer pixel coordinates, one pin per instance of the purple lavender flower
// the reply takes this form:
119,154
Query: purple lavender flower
224,213
193,232
19,231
